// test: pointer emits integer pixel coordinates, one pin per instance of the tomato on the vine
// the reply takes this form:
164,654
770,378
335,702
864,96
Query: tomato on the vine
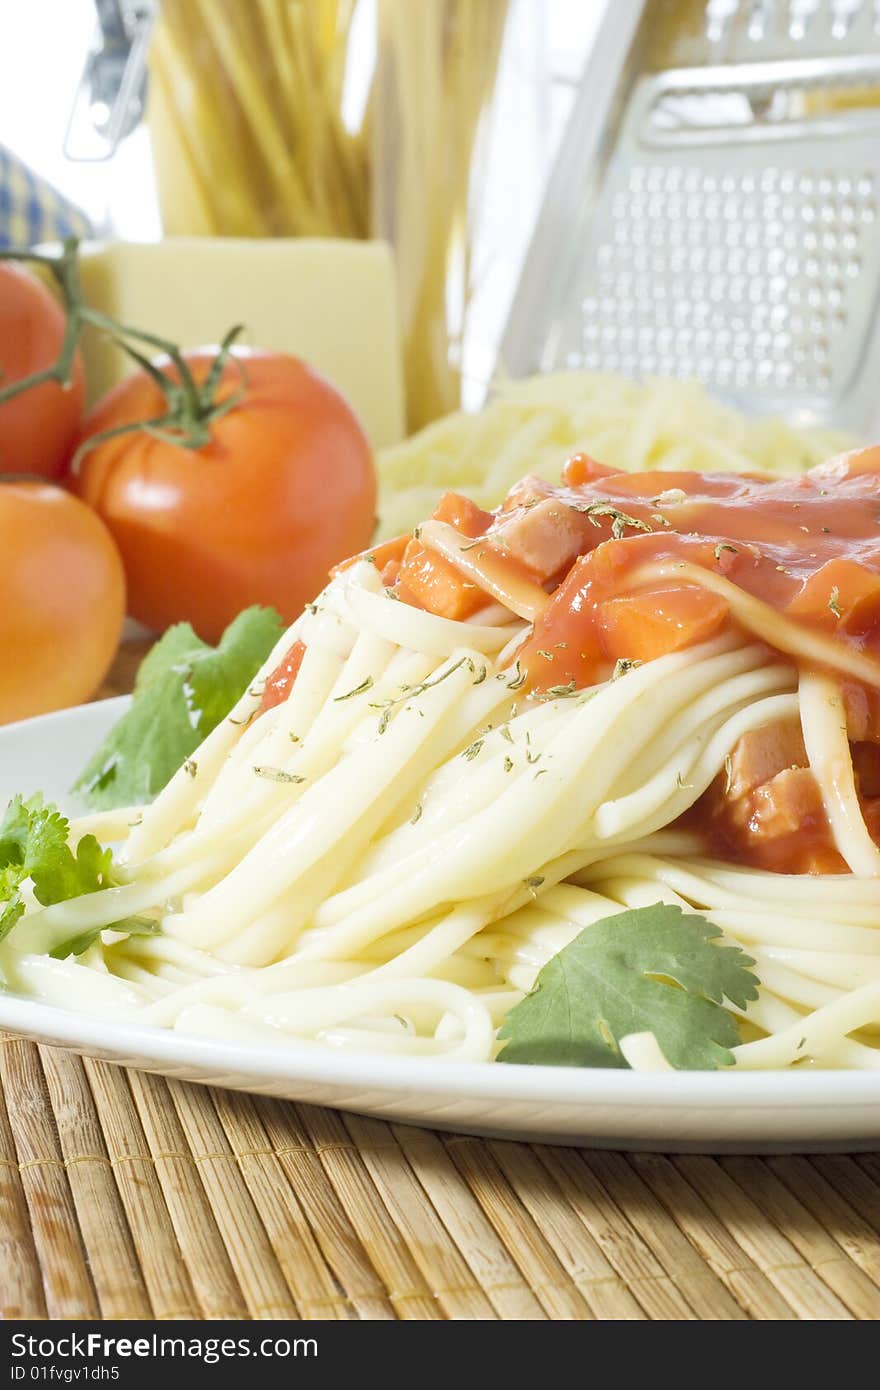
282,490
62,600
38,429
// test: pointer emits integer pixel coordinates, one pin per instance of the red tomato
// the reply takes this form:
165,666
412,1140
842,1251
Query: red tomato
284,490
38,429
62,600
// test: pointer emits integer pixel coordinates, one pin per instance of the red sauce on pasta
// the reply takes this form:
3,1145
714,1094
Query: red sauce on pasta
609,566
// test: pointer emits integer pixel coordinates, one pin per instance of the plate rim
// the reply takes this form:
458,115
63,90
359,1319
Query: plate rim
549,1085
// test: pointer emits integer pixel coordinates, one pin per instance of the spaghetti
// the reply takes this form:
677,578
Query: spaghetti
484,738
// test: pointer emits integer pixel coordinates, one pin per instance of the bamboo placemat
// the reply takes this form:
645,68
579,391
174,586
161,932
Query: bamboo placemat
124,1195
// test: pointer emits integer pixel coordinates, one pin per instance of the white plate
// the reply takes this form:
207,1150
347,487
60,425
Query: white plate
710,1111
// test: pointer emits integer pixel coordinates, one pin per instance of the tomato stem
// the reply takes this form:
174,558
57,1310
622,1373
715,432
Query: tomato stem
65,269
191,409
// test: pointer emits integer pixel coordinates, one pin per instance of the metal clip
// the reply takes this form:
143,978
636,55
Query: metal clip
111,93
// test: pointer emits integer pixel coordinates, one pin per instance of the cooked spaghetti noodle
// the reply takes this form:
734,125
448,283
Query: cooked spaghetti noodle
484,738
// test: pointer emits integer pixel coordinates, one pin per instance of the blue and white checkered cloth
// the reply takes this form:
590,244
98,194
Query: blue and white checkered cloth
31,210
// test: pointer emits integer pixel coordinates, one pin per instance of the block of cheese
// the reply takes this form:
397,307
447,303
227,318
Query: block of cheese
331,302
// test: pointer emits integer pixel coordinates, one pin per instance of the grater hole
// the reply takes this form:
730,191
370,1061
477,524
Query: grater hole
736,30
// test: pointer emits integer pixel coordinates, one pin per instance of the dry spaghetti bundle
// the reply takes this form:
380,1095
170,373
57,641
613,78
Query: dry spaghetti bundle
274,118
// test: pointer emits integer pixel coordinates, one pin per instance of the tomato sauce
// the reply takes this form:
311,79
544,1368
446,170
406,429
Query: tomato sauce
780,826
807,546
280,683
586,555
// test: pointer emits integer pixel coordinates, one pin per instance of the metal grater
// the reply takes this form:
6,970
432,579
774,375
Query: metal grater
713,213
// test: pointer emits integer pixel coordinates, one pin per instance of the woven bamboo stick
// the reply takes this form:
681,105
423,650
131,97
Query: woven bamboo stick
298,1254
850,1228
430,1244
603,1290
250,1251
851,1179
324,1209
625,1249
762,1241
409,1292
870,1165
21,1288
699,1284
513,1229
66,1281
164,1271
201,1244
523,1239
813,1241
109,1249
460,1213
749,1286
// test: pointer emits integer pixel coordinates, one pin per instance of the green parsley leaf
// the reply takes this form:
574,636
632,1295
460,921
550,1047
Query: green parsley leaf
622,665
277,774
563,692
183,690
33,845
365,685
519,679
619,520
651,969
132,926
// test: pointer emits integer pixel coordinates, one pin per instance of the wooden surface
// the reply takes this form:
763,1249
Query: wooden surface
124,1195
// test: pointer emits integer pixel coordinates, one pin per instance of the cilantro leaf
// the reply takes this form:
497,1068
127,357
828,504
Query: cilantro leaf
178,647
11,905
33,845
651,969
133,926
183,690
